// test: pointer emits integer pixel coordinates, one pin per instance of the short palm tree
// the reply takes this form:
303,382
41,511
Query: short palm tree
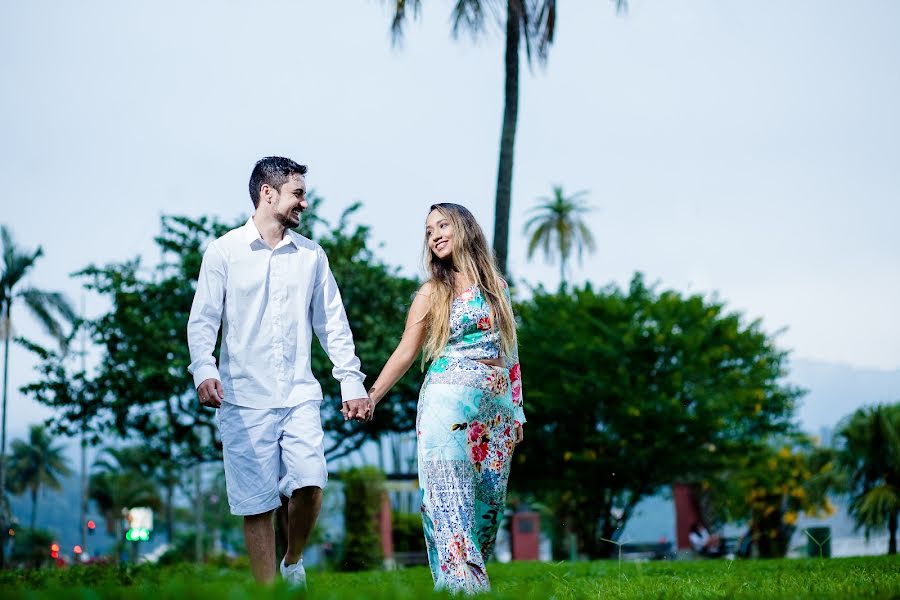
51,309
35,464
557,228
869,452
122,478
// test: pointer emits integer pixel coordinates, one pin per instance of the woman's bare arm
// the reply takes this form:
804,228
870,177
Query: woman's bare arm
407,350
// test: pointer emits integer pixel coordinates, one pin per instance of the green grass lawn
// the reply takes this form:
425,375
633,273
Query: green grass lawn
870,577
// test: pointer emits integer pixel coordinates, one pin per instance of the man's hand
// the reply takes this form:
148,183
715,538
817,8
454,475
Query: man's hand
211,392
357,409
520,434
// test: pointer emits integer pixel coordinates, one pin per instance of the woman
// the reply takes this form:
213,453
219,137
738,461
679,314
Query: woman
470,413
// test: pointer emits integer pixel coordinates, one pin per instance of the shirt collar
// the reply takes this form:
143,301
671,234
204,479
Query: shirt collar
251,234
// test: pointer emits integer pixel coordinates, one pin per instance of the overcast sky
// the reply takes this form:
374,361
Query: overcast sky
747,149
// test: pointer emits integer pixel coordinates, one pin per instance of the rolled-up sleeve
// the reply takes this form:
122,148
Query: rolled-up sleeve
329,321
206,316
515,374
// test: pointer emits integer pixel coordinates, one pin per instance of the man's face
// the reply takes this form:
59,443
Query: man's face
290,201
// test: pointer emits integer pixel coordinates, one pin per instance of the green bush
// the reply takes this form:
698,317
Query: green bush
407,532
363,487
31,548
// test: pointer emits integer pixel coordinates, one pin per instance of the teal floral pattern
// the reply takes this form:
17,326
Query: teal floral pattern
465,425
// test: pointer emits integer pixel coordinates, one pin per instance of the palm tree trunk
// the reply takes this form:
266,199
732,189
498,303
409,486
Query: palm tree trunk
117,546
170,509
198,515
892,527
4,507
562,271
507,137
34,499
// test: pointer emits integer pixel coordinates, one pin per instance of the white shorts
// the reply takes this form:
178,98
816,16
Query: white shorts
270,452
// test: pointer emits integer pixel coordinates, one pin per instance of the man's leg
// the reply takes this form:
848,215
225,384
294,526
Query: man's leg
303,510
259,535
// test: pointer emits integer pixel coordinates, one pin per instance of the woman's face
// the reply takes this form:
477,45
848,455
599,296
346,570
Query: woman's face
439,233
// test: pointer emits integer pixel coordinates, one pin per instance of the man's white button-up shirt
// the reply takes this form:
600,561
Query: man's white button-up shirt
269,302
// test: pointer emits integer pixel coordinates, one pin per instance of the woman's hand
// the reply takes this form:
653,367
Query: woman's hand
520,433
374,398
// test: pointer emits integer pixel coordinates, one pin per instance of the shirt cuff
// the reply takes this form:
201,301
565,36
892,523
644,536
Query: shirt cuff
353,390
520,415
205,372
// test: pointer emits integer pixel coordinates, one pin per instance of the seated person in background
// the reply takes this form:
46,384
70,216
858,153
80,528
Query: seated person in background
704,543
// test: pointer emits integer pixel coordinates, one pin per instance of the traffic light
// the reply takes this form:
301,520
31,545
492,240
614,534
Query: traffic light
139,534
54,550
77,550
91,527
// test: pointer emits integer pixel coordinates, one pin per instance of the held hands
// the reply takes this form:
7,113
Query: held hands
211,392
360,409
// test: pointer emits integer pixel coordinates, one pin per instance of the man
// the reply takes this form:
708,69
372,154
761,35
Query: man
270,288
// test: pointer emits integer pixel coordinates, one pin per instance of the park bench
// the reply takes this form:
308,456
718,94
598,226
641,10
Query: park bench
410,559
648,551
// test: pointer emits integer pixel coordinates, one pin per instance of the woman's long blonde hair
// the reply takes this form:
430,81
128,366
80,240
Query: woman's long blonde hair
472,258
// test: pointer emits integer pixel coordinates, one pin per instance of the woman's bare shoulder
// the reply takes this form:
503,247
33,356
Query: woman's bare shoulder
426,289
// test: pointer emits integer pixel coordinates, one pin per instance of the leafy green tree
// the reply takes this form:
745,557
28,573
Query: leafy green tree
557,228
146,391
769,486
376,298
869,453
35,464
141,388
627,391
528,25
50,309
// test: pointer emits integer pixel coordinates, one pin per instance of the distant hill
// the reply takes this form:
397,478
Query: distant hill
836,390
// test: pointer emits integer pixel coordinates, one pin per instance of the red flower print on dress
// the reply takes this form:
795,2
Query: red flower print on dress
477,441
515,380
479,452
477,430
484,323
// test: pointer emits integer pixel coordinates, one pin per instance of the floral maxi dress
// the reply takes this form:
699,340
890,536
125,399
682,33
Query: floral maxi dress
465,425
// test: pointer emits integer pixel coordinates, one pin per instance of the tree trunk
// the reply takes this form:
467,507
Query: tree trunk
892,527
170,508
34,499
82,524
117,546
507,136
198,515
4,506
169,471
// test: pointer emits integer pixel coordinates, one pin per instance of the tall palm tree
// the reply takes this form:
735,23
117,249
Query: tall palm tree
869,452
122,479
533,20
557,228
35,464
51,309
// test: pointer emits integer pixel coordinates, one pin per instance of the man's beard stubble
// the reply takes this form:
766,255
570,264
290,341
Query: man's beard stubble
288,220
